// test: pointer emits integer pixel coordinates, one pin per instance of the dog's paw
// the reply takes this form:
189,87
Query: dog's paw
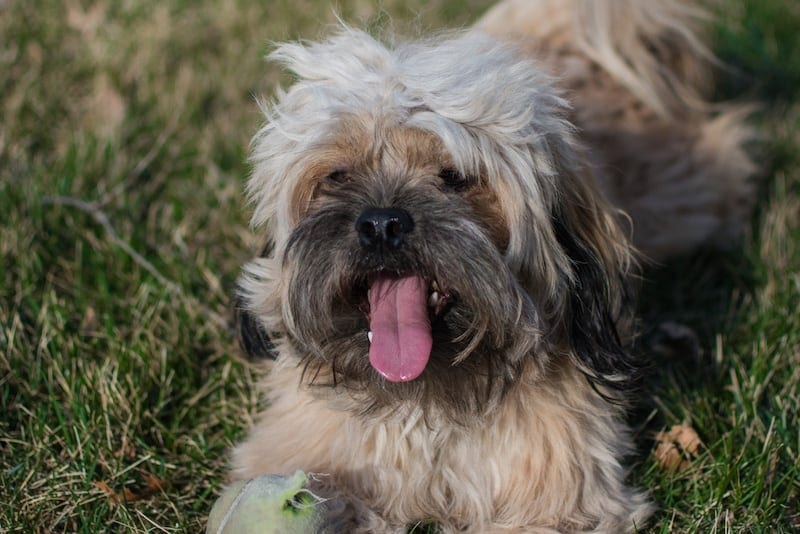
676,342
345,513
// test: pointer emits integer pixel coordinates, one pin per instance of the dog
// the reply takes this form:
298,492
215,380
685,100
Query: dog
452,225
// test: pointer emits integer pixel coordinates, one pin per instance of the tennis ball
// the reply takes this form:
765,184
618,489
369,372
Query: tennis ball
269,504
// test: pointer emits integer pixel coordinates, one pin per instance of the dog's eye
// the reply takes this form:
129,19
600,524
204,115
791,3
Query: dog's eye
453,180
337,177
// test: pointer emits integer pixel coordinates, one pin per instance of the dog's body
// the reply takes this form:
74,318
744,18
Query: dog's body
637,76
437,196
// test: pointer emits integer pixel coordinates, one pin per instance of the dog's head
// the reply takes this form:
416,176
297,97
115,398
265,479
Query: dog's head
433,231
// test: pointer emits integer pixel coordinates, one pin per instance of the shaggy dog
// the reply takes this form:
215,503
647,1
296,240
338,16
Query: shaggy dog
450,226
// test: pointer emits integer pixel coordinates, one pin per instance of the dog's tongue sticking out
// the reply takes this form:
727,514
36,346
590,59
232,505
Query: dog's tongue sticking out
401,330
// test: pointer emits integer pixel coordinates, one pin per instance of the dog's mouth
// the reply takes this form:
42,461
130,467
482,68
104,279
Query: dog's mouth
400,311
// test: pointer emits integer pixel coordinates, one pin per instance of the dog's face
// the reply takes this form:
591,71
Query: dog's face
433,231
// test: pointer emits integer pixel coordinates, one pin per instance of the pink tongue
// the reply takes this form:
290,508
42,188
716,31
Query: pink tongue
401,330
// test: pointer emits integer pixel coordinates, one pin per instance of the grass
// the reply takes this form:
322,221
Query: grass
121,391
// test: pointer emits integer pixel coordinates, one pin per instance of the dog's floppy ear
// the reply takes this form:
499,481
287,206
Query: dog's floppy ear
253,339
595,311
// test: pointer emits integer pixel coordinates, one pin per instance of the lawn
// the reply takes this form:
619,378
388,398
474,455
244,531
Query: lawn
124,128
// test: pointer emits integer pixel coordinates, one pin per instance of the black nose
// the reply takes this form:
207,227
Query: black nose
383,228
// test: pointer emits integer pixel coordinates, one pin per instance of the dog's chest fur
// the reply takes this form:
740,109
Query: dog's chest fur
499,469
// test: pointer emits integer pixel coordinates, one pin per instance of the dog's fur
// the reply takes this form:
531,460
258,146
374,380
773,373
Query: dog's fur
528,151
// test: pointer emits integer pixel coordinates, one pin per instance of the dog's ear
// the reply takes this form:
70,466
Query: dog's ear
595,312
253,338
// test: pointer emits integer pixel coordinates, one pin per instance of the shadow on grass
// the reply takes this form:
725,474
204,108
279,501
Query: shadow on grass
696,299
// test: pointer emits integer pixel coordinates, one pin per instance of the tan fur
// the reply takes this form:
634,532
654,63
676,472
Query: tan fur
502,471
484,202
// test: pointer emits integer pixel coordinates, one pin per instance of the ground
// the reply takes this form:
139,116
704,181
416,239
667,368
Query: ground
124,128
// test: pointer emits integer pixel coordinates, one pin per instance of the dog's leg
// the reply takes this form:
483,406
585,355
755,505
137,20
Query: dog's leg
348,514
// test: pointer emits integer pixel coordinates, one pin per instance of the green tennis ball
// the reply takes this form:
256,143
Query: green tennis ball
266,505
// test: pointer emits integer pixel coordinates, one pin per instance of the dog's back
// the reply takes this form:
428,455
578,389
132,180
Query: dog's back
638,75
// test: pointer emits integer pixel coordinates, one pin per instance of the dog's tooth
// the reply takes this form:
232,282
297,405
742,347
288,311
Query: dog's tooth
369,336
433,299
435,286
